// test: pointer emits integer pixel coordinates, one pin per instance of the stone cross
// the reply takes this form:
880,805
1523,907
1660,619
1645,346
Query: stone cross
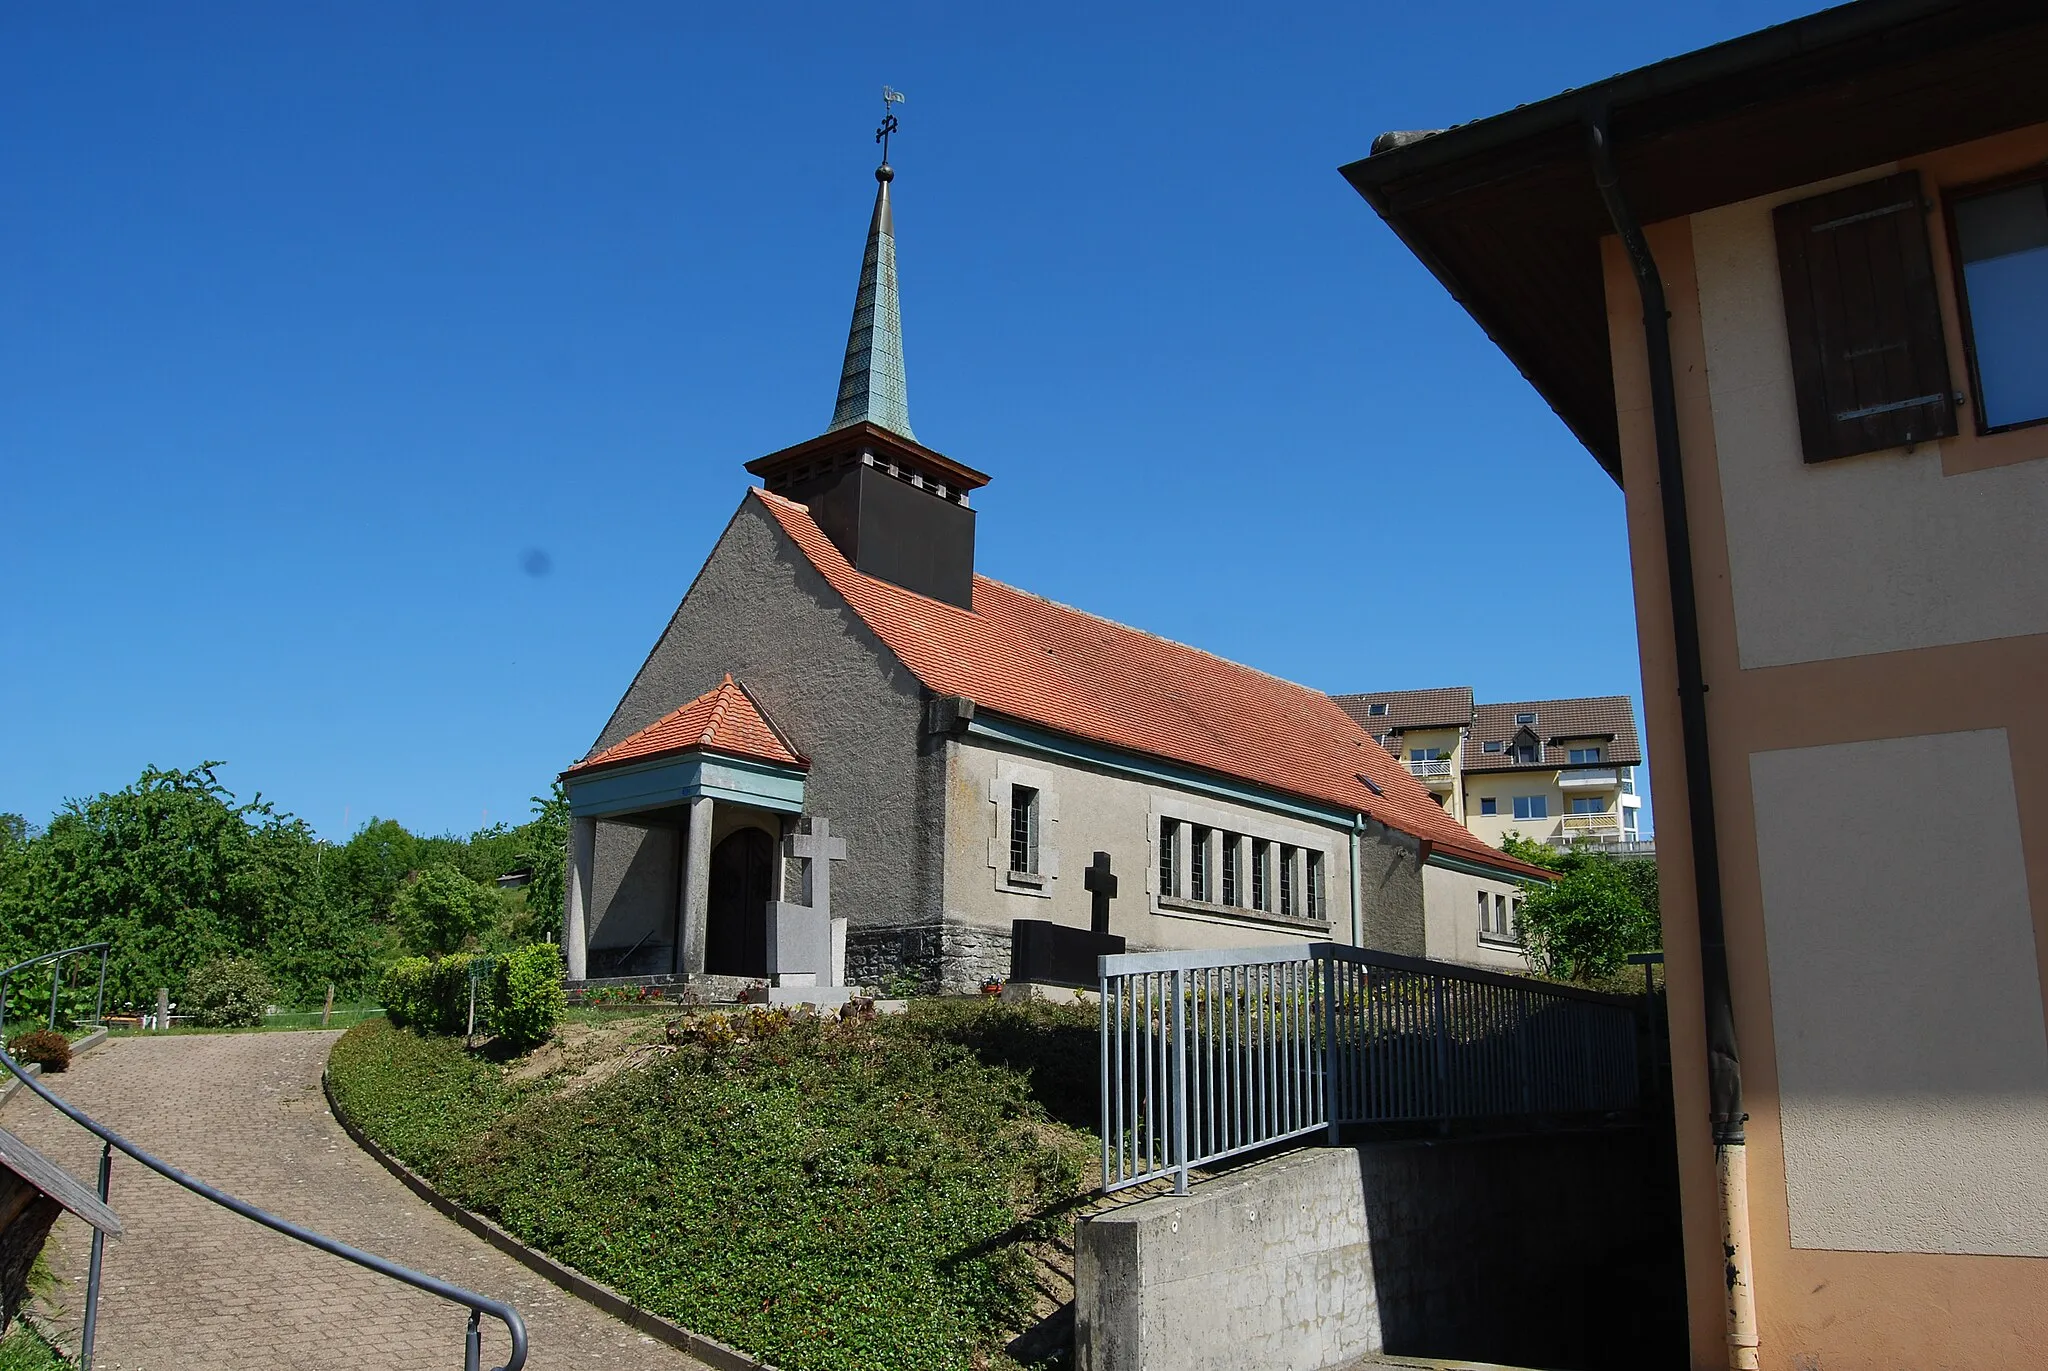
1101,884
818,849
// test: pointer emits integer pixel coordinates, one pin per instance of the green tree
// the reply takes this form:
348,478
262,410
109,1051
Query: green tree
544,848
1584,925
442,910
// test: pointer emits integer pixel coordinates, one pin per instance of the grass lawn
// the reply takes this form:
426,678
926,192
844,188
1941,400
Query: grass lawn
858,1196
22,1350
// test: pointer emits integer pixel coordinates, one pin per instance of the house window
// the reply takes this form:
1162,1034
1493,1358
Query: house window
1532,806
1376,711
1514,918
1262,852
1287,879
2001,241
1169,870
1628,821
1589,804
1500,916
1493,747
1584,756
1198,862
1316,908
1489,805
1230,882
1528,752
1525,718
1628,780
1023,830
1485,913
1869,360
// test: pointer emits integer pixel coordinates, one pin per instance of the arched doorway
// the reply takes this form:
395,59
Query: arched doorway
736,924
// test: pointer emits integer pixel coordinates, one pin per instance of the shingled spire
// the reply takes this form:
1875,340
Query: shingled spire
871,383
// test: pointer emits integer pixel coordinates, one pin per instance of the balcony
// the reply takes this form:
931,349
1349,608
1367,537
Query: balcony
1434,773
1599,828
1589,778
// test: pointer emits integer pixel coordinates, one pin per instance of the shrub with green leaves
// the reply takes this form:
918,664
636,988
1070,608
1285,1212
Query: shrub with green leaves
43,1047
527,999
441,909
1583,926
228,992
403,989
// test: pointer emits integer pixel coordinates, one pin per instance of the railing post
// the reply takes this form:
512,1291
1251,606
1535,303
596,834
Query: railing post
92,1277
473,1342
1443,1050
99,996
1328,957
1106,1124
56,980
1180,1081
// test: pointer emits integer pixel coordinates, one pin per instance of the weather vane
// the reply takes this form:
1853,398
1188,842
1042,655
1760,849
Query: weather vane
889,97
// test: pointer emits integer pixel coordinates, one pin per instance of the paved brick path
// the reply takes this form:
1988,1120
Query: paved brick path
191,1287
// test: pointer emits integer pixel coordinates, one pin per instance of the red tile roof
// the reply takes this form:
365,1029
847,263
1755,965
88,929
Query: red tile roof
1042,663
724,720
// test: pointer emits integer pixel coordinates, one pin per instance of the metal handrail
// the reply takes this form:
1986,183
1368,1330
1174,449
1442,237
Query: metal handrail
1210,1054
477,1305
56,980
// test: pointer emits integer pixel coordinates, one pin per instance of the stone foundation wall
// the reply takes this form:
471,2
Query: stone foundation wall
949,958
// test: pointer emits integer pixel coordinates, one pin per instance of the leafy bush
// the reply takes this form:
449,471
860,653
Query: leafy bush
1584,925
442,909
526,994
228,992
403,988
42,1047
831,1195
431,995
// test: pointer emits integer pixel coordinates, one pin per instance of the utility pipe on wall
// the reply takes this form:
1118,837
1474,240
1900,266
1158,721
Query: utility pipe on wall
1724,1066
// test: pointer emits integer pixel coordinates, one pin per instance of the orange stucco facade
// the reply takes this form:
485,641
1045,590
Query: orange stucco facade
1794,704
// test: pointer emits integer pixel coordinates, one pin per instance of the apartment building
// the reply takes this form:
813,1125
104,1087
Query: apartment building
1561,772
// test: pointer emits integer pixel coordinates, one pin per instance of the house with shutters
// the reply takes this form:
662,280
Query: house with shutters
1791,292
849,757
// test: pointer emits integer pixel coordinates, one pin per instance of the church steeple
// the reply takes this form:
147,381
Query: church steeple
871,386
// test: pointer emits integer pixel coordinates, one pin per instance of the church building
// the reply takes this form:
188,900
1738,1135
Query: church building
849,758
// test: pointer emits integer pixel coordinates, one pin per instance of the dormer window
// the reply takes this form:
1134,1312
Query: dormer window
1528,718
1377,710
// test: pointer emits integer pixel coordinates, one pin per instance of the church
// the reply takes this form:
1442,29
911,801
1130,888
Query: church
849,759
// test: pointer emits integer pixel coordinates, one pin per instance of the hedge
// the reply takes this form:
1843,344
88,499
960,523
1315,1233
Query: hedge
518,996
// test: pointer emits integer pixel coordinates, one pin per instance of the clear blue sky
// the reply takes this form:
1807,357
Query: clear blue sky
317,319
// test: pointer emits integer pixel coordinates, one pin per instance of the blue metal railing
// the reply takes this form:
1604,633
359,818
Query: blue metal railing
110,1142
1206,1055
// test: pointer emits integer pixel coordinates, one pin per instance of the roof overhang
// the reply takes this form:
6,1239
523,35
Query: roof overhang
1504,212
659,783
876,441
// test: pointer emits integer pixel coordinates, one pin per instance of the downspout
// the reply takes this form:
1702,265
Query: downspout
1724,1069
1357,885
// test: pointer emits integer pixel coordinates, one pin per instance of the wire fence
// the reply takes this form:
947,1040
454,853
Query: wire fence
1206,1055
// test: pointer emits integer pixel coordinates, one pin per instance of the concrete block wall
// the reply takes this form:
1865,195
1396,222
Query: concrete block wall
1266,1269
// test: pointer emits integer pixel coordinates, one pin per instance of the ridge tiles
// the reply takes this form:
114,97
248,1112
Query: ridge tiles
1038,662
724,719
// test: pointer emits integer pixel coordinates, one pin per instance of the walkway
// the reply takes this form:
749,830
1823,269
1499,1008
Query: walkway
192,1287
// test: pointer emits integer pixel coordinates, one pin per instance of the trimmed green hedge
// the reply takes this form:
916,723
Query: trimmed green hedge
829,1196
518,995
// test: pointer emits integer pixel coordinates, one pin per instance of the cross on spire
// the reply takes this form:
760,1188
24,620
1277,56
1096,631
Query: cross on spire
871,387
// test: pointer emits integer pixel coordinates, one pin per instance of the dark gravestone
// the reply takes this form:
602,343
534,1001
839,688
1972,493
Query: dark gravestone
1100,883
1058,954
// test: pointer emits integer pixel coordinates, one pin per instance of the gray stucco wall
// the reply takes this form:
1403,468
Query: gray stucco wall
760,610
1391,894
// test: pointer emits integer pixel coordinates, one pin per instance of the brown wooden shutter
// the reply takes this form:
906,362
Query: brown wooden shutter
1868,359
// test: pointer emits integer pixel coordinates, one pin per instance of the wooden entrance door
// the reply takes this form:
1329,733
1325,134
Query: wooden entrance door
736,924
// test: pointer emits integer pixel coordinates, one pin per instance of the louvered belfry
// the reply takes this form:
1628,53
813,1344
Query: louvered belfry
895,508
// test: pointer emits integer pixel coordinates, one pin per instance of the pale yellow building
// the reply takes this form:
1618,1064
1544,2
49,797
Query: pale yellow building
1792,293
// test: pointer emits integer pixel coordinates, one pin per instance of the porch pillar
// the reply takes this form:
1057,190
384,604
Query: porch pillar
696,892
575,919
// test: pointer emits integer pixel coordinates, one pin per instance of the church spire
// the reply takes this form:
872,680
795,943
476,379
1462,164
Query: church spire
871,383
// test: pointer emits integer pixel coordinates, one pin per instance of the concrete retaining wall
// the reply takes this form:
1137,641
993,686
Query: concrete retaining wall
1555,1250
1266,1269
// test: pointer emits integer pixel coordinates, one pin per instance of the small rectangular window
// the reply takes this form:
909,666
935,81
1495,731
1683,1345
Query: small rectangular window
1169,869
1514,918
1489,805
1529,752
1230,882
1628,821
1316,908
1287,880
1589,804
1584,756
1023,830
1500,914
1198,863
2002,257
1525,718
1485,912
1376,711
1262,853
1532,806
1628,780
1495,746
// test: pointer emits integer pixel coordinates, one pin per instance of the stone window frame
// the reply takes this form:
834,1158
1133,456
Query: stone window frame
1039,883
1245,828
